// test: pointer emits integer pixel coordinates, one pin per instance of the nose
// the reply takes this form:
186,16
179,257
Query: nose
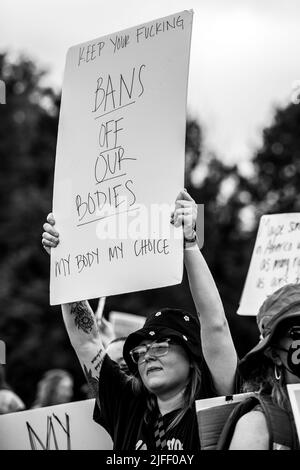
148,356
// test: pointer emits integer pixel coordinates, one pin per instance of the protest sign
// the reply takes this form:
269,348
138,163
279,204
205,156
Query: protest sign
100,309
294,396
125,323
2,92
2,352
62,427
120,162
275,260
212,414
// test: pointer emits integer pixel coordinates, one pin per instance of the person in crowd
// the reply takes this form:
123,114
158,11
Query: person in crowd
272,364
172,360
54,388
115,352
9,401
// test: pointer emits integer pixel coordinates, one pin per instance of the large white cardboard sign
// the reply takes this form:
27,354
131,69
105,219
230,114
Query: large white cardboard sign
294,396
275,260
212,414
125,323
120,162
62,427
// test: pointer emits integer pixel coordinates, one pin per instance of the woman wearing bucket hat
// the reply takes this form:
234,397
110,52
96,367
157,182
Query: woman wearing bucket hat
267,369
172,360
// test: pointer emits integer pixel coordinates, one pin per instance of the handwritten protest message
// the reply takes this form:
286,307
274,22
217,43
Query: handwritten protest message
275,260
120,162
62,427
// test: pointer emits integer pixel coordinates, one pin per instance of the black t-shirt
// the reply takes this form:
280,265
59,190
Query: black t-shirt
122,412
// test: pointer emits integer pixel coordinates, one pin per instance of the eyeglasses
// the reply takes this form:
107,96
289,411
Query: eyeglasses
155,349
294,332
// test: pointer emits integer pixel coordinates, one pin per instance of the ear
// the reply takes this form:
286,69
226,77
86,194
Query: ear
274,356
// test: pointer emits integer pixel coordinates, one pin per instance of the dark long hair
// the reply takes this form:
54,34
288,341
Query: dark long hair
262,376
190,395
262,380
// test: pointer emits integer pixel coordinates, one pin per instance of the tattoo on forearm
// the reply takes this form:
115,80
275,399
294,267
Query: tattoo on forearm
98,359
98,356
84,320
93,382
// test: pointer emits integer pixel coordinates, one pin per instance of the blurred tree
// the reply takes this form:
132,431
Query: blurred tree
275,187
35,338
193,144
272,188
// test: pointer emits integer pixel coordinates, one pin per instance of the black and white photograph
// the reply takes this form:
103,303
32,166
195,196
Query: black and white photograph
150,228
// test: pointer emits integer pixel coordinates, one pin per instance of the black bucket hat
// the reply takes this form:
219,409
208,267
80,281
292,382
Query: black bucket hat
282,305
171,323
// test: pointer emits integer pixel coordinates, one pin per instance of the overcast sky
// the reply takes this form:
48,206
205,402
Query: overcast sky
245,54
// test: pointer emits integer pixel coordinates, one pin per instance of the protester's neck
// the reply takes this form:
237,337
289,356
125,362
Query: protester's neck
170,402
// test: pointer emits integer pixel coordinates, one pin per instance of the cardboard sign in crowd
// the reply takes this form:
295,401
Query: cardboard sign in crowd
62,427
275,260
120,161
294,396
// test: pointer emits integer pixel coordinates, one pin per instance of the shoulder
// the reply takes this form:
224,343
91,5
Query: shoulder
10,402
251,432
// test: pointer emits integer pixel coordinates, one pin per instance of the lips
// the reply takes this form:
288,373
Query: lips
153,369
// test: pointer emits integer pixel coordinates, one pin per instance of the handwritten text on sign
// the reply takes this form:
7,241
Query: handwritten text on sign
61,427
120,162
275,260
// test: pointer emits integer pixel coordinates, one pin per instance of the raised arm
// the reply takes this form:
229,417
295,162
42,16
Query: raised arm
80,323
85,339
217,345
